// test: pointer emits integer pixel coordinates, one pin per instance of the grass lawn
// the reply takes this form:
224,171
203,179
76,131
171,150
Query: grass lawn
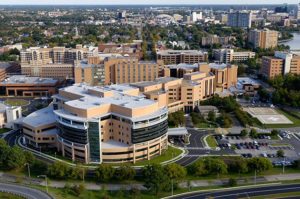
9,196
279,195
206,125
211,141
16,102
4,130
169,154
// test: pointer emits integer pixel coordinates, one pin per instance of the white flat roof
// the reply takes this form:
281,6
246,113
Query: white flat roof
41,117
177,131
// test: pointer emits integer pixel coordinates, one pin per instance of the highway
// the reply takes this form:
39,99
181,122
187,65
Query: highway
242,192
26,192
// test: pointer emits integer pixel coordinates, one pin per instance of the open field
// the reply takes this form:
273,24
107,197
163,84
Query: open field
16,102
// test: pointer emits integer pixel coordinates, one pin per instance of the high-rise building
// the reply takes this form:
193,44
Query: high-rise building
298,11
57,62
241,19
116,70
229,55
263,38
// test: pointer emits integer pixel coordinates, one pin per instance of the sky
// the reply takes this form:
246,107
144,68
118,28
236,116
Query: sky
151,2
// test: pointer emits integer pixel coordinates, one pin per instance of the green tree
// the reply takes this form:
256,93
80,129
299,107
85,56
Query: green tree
244,133
175,171
15,158
104,172
125,172
280,153
58,170
274,132
211,116
155,178
253,133
215,166
232,182
78,189
4,152
197,168
259,164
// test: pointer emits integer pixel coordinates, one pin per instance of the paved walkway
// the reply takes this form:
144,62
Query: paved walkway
23,191
194,183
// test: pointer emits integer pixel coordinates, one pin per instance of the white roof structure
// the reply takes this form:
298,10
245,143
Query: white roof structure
41,117
177,131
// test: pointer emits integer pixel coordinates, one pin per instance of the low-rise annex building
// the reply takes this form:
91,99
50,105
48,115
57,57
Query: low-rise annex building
100,124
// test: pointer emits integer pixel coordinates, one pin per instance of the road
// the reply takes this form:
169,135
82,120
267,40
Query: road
11,138
242,192
195,148
23,191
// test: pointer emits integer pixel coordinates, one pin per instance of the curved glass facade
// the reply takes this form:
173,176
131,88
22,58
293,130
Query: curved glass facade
149,133
73,134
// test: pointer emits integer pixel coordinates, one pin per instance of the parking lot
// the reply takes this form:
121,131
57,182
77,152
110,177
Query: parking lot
263,146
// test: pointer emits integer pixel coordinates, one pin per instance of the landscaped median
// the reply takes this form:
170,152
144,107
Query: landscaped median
210,141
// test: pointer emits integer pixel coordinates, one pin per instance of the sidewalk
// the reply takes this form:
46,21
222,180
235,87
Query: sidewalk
4,177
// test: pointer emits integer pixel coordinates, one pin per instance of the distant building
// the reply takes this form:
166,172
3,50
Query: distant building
56,62
241,19
214,39
281,9
281,63
133,50
229,55
298,11
24,86
263,38
182,56
122,15
196,16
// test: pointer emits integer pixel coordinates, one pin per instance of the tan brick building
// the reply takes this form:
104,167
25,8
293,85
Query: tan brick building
263,38
116,70
100,124
280,64
182,56
57,62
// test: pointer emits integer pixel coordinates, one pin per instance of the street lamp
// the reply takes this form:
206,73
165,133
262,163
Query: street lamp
44,176
28,170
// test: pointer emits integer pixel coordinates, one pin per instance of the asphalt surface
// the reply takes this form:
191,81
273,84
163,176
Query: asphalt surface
26,192
195,148
11,138
243,192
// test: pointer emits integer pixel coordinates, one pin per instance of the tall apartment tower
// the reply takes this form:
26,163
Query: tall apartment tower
298,11
241,19
263,38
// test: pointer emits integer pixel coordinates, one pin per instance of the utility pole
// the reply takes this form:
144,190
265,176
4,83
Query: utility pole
255,176
172,187
46,181
28,170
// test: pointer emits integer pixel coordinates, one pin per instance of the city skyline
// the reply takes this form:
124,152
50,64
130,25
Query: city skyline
142,2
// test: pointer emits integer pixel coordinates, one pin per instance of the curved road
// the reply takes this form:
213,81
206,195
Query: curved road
23,191
242,192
